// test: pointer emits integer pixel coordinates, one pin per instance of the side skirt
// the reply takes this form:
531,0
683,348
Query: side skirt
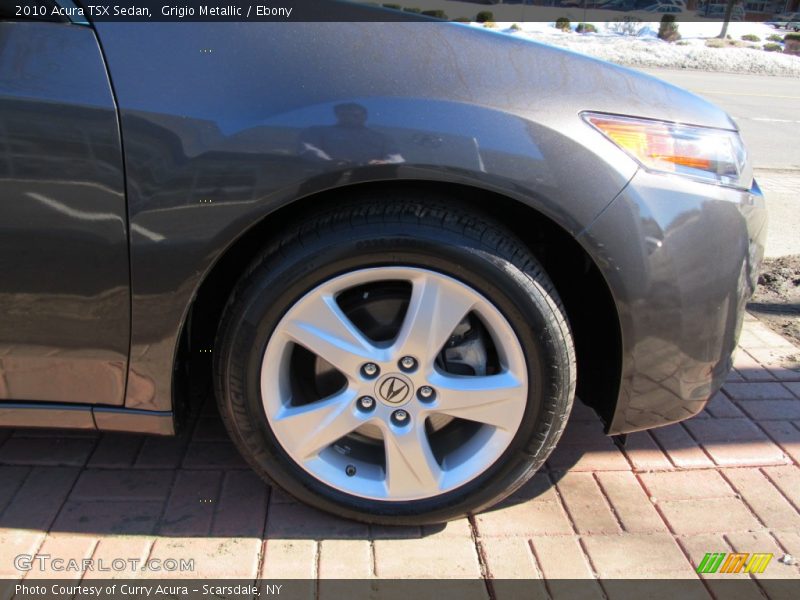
82,416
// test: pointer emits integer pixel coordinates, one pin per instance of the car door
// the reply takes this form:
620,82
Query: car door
64,282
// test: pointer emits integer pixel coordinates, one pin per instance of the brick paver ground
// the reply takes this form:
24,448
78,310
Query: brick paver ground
729,479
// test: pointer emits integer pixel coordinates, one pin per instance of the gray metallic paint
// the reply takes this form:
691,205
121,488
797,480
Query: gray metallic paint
64,289
682,260
213,116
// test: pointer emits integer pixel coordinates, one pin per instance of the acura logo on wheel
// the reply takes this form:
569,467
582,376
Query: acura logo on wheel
394,390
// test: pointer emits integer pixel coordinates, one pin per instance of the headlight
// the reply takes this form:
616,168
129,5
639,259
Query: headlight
712,155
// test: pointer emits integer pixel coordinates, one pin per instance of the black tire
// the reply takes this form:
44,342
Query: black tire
429,233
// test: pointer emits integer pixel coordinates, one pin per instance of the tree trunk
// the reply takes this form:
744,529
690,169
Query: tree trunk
728,11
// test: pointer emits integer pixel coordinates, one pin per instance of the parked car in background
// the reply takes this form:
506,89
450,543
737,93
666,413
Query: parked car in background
394,265
787,21
794,24
617,5
635,5
661,7
717,11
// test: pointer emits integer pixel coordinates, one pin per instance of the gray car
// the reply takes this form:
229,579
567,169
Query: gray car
395,253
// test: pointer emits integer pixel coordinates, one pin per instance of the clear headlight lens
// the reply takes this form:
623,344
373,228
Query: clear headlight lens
712,155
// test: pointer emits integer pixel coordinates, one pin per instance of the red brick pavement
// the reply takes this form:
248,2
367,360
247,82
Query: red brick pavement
726,480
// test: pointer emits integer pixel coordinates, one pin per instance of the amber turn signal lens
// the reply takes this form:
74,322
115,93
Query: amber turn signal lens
715,155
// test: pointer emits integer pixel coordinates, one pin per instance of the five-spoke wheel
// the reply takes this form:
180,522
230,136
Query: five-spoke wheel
395,362
401,426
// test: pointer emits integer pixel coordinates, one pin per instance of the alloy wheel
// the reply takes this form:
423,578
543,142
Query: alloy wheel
394,383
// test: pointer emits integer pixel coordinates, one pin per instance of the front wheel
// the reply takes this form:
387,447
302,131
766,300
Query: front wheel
395,363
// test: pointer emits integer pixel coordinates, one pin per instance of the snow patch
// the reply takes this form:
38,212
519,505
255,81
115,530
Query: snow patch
644,49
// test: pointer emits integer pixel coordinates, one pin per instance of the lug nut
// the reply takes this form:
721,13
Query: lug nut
426,393
366,403
407,363
400,417
370,370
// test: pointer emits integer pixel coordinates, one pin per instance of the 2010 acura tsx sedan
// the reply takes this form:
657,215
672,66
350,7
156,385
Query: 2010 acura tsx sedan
395,251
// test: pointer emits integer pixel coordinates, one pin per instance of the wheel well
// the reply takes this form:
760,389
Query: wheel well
587,300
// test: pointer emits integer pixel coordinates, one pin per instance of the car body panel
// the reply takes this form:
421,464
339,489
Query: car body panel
225,124
681,277
64,323
206,162
215,118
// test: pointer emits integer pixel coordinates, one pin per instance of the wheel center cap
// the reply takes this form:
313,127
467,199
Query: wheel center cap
394,389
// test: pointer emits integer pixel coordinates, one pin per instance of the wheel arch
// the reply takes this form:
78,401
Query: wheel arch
587,299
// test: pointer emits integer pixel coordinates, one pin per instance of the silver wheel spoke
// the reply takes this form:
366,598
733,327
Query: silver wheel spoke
437,305
411,469
320,326
316,426
487,399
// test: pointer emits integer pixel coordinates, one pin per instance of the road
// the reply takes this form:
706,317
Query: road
767,110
